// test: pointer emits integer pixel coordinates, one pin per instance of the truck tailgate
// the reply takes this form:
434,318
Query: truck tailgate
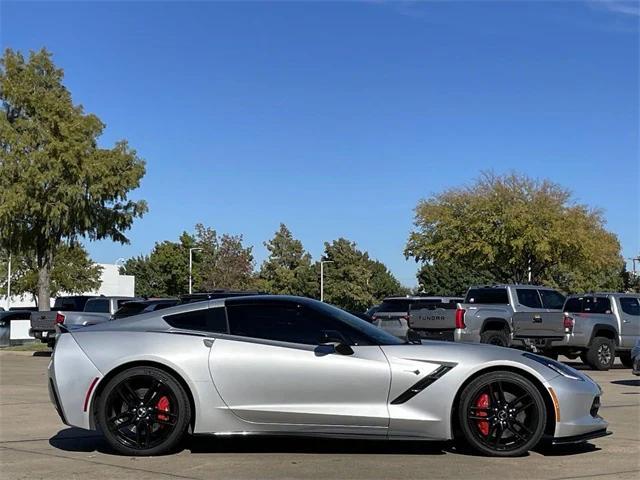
43,320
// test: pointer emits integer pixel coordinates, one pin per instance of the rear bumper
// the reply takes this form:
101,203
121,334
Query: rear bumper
465,335
442,335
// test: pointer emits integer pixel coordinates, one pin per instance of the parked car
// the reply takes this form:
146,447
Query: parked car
431,317
372,310
289,365
96,310
511,315
137,307
43,323
599,326
635,358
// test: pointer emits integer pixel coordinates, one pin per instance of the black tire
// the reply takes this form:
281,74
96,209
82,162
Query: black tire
601,354
495,337
515,411
131,417
583,358
626,360
571,356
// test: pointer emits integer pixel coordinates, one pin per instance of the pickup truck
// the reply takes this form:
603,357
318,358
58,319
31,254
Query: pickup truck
511,315
431,317
598,327
74,312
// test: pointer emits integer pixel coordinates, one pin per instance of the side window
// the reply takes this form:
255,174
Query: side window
552,299
100,305
630,306
284,323
528,297
205,320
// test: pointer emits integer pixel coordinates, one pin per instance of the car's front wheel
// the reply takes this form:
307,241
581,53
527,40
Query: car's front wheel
502,414
143,411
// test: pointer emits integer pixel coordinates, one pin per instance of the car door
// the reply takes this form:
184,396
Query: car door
273,370
527,320
629,311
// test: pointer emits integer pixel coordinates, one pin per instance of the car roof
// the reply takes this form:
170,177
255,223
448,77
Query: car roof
515,285
604,294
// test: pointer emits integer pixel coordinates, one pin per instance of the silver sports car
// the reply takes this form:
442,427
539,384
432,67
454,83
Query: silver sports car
273,365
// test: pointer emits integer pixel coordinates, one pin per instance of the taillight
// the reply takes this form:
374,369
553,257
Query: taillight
460,318
59,318
569,322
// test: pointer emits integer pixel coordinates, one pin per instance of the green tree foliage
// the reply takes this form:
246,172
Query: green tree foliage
508,225
221,262
450,278
56,183
288,269
354,281
72,271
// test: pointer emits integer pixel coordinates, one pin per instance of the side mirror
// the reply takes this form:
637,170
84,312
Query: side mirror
336,340
414,337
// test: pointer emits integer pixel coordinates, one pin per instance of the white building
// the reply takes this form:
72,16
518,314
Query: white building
112,283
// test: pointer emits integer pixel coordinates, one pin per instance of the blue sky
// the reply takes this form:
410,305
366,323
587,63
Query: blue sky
336,118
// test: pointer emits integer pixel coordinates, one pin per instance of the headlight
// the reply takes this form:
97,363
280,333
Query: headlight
557,367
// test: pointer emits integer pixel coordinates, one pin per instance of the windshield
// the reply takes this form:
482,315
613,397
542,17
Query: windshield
380,337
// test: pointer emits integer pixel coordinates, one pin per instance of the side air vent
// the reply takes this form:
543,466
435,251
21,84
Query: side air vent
421,384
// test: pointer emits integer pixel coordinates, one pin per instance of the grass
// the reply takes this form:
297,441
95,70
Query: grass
26,347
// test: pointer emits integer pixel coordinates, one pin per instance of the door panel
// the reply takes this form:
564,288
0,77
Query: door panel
629,312
278,383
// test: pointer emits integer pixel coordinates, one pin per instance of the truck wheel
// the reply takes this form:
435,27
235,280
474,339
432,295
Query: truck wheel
601,354
625,359
495,337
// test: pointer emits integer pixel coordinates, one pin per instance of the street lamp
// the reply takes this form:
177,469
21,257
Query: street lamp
191,250
322,262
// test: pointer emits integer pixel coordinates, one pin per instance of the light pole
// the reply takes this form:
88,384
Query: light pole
191,250
322,262
9,283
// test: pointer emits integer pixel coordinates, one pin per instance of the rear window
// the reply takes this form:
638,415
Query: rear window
100,305
205,320
488,296
588,305
432,305
70,304
130,308
399,305
528,297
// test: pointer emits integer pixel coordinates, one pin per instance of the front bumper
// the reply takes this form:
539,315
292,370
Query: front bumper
581,438
577,415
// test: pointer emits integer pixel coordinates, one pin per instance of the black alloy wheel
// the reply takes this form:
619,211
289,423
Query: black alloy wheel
502,414
143,411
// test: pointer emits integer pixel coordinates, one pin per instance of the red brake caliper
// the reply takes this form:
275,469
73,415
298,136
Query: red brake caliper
482,402
163,405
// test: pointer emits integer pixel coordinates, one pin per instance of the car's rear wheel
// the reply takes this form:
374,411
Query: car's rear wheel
143,411
502,414
495,337
601,354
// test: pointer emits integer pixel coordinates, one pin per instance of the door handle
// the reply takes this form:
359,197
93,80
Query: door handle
537,319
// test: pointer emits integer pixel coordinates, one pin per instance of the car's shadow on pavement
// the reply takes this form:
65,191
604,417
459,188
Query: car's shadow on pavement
628,383
78,440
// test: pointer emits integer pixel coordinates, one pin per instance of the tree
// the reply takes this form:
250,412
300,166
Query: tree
72,271
383,283
221,262
288,269
512,226
56,183
450,278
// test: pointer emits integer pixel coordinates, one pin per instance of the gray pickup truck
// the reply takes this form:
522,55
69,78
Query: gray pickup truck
431,317
511,315
67,311
599,326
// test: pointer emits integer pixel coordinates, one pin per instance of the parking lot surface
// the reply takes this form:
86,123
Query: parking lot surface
35,444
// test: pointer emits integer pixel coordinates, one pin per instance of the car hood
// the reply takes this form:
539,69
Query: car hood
469,356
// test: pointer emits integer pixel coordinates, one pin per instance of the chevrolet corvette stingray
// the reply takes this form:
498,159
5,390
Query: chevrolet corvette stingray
278,365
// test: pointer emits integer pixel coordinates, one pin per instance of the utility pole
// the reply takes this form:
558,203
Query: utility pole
322,262
191,250
9,283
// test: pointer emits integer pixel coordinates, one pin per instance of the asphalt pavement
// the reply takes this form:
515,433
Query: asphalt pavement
35,444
